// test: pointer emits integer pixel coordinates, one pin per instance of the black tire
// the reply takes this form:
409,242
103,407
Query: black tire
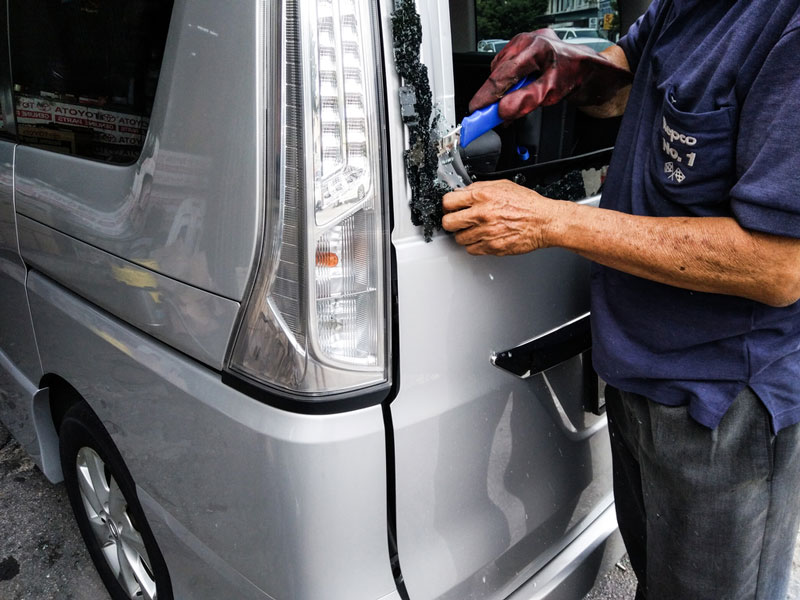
82,432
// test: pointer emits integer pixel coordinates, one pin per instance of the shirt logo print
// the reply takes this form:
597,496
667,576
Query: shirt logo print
675,174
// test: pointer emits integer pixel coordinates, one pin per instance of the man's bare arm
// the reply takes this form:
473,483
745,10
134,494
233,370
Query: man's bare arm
616,106
708,254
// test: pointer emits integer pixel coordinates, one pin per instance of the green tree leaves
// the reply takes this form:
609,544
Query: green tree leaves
503,19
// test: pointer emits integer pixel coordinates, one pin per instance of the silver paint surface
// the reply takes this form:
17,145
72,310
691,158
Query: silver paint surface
489,483
191,320
295,505
190,207
19,361
16,332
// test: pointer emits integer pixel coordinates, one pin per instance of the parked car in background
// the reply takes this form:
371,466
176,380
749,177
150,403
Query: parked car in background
491,45
570,33
596,44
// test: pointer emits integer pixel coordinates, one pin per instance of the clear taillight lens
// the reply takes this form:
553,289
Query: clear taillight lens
316,321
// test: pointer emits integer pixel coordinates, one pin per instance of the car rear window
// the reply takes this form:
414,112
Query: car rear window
85,73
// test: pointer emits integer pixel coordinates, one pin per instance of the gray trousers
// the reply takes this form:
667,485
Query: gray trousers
705,514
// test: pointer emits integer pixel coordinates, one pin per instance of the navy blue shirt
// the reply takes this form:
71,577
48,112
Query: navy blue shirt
712,128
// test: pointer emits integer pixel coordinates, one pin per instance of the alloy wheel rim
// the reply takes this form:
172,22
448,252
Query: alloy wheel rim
119,540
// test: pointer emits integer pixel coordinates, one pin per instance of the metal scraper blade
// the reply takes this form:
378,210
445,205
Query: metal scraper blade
451,169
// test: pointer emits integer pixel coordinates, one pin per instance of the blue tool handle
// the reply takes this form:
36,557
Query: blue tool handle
482,120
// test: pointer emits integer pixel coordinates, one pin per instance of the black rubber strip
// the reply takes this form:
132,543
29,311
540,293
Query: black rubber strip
548,350
421,158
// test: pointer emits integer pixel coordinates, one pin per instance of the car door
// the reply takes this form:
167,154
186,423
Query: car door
500,459
20,370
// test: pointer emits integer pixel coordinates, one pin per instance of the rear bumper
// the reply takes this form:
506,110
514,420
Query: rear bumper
573,572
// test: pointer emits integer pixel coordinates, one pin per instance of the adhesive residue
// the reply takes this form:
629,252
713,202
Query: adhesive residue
569,187
416,103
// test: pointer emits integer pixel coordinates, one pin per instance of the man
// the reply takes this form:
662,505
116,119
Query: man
697,277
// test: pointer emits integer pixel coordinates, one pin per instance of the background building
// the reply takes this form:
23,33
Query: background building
578,13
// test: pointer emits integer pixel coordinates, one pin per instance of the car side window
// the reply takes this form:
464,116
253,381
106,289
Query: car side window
85,73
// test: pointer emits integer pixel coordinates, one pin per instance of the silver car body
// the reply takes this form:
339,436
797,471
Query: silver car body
492,485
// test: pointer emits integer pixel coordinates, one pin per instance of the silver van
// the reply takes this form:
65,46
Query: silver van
223,330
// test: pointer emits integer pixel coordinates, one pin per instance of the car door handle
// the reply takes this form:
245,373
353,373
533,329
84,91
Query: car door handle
546,350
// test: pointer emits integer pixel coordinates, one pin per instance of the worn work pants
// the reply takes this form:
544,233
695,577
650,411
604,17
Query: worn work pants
705,515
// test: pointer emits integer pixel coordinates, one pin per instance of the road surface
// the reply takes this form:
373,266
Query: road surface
42,556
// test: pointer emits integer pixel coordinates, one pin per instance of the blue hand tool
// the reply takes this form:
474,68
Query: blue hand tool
482,120
451,168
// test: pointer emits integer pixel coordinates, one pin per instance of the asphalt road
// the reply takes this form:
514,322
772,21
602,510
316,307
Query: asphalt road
42,556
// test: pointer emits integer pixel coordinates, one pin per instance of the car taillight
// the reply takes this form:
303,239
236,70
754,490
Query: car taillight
316,320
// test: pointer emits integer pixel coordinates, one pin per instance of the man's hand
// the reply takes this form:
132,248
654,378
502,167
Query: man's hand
572,71
705,254
498,217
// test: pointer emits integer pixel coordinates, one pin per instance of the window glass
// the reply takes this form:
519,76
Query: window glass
574,22
5,129
85,73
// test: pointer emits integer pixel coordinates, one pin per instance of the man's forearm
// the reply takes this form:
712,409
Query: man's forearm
706,254
616,105
713,254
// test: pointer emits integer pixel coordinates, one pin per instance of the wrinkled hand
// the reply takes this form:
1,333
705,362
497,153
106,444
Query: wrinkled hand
572,71
499,217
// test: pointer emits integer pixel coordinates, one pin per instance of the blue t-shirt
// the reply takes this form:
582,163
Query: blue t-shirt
712,128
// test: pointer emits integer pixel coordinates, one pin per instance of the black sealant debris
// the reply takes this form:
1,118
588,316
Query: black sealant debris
416,103
569,187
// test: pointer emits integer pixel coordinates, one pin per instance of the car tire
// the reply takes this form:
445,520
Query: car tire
110,518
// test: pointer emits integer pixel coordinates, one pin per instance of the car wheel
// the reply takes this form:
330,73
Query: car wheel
103,498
